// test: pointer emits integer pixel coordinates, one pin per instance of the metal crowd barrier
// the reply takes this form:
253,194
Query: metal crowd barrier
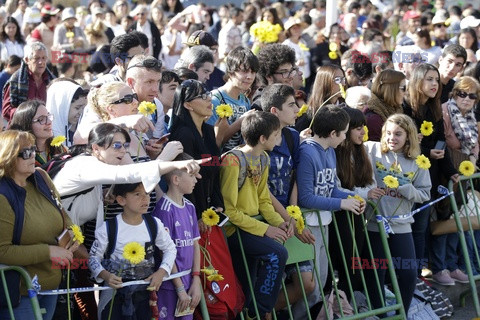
28,282
299,251
470,218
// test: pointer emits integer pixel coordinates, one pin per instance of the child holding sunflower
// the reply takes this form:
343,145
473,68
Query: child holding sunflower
180,220
397,152
132,257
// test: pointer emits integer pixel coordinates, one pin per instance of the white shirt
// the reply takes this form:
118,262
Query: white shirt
10,48
127,233
84,172
301,54
148,32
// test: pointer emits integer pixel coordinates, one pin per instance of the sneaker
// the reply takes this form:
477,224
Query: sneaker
459,276
443,278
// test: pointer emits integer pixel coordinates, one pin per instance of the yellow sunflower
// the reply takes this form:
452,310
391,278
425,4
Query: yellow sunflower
294,212
133,252
380,165
300,225
410,174
365,136
302,110
57,141
70,34
390,182
215,277
357,197
224,111
423,162
210,217
332,46
146,108
343,93
208,271
332,55
467,168
426,128
77,233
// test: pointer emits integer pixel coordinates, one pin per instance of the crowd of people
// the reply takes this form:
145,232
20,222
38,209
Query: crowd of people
133,123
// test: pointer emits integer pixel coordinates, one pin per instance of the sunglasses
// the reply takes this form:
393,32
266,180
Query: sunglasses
403,88
463,94
149,63
440,25
118,145
27,153
126,99
44,119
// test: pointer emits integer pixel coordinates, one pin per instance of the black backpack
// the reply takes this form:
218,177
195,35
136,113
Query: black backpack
152,227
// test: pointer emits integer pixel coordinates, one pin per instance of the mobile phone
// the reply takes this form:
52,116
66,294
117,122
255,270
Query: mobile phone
440,145
223,219
163,139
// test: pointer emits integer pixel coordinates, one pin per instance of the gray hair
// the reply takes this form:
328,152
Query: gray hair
30,49
196,55
355,95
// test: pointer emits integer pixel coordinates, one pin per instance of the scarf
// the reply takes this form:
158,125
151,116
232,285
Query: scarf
376,105
465,127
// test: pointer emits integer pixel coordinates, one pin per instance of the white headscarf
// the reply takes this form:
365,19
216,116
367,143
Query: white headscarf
59,99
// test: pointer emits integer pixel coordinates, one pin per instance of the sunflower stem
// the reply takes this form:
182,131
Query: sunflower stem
68,292
311,122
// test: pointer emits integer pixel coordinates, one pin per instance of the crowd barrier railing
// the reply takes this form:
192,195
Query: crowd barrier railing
299,252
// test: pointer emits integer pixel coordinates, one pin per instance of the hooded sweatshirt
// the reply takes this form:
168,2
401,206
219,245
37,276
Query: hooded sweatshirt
59,99
404,196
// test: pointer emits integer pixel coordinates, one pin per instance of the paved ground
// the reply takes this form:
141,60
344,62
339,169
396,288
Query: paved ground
453,292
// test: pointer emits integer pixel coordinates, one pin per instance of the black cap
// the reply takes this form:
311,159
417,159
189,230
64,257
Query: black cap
200,37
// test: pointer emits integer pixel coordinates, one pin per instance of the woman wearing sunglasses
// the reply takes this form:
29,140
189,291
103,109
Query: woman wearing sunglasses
326,86
388,90
461,134
192,106
113,102
32,116
24,189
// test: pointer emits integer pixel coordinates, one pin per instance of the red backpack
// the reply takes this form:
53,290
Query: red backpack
224,298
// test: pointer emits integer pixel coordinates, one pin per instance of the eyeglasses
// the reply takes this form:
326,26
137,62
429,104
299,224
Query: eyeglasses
439,25
118,145
128,98
44,119
204,96
463,94
340,80
27,153
287,74
403,88
149,63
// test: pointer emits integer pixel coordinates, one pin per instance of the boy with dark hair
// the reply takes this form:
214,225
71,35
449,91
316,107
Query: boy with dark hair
168,84
245,193
317,180
108,263
279,99
450,63
242,66
180,220
277,65
358,70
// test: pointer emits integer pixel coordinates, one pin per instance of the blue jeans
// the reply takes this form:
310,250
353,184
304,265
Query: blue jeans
444,252
420,234
266,260
24,311
471,252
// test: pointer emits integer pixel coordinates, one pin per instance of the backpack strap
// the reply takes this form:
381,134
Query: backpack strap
289,139
221,97
152,227
242,165
112,230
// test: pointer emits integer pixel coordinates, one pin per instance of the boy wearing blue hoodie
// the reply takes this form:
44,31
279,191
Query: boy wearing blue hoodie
317,179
